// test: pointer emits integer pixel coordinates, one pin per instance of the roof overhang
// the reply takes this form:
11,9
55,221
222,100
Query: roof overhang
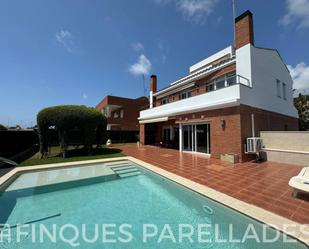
153,120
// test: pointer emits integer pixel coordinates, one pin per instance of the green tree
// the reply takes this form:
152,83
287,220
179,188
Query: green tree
67,117
302,105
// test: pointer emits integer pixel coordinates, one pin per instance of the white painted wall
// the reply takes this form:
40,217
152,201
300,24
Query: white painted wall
221,98
243,63
263,69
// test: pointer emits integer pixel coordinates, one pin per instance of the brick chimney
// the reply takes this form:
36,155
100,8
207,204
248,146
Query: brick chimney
153,89
244,30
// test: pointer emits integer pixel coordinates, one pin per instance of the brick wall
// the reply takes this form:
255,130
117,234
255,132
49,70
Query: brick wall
131,109
263,121
223,139
244,30
201,84
232,137
142,133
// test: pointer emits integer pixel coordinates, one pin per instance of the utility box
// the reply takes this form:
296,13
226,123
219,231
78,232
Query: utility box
230,157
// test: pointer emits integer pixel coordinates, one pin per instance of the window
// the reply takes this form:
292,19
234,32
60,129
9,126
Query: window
116,115
121,114
185,95
278,89
230,79
220,83
284,90
165,101
210,87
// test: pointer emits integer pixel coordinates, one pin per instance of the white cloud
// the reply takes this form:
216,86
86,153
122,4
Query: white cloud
297,10
143,66
85,96
193,10
65,38
300,75
138,47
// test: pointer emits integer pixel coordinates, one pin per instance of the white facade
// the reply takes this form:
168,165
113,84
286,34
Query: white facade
258,72
264,67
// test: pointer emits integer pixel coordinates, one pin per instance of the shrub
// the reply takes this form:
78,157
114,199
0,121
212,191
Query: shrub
67,117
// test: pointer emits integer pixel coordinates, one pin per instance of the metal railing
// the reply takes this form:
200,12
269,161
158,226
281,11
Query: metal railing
7,161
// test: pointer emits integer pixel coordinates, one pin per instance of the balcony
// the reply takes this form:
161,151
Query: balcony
221,98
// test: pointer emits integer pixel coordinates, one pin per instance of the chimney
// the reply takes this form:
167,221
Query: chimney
244,30
153,89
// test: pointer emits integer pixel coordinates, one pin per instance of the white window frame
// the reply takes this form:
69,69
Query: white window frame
220,79
186,95
166,100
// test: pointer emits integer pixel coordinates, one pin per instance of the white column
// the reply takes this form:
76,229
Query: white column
151,99
180,137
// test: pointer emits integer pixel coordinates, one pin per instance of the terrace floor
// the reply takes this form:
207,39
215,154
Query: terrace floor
262,184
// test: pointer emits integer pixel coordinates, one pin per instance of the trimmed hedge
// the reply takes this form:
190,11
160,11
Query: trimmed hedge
89,121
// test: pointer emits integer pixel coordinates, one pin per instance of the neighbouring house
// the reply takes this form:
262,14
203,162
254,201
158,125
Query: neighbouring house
122,113
227,97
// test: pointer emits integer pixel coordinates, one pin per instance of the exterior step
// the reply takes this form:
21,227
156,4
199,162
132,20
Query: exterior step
115,164
130,174
124,171
120,167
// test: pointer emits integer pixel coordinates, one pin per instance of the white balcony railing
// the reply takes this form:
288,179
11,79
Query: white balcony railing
224,97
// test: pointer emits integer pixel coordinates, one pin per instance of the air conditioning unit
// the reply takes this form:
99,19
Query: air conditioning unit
254,145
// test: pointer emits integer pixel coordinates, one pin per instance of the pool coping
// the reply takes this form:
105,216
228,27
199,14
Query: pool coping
300,231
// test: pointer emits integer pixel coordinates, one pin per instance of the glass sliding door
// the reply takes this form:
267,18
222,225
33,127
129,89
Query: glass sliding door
196,138
187,138
203,138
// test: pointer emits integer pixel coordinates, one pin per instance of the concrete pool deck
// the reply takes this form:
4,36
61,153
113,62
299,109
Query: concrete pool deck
288,226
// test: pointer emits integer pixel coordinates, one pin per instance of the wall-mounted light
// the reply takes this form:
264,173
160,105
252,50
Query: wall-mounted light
223,123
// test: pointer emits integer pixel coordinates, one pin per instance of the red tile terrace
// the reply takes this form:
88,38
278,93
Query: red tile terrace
262,184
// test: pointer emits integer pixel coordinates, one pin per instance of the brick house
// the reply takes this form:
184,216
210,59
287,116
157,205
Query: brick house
227,97
122,113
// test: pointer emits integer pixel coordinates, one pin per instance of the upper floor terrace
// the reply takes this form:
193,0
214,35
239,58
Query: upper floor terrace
226,95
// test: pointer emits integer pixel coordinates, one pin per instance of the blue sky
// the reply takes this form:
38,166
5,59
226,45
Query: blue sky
76,52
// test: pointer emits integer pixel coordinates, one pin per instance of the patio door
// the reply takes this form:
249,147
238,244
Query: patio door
188,137
196,138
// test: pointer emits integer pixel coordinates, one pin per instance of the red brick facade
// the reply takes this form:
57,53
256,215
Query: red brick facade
130,109
232,137
244,30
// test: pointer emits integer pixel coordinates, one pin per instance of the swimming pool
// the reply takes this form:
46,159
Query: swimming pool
127,206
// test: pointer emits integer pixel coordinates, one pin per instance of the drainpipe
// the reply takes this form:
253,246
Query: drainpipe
252,125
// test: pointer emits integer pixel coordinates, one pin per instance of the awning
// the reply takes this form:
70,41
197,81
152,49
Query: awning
153,120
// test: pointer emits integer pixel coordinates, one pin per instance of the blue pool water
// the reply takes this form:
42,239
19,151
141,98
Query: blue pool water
133,196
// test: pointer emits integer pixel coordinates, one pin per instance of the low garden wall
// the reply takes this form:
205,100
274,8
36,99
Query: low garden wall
286,140
286,146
